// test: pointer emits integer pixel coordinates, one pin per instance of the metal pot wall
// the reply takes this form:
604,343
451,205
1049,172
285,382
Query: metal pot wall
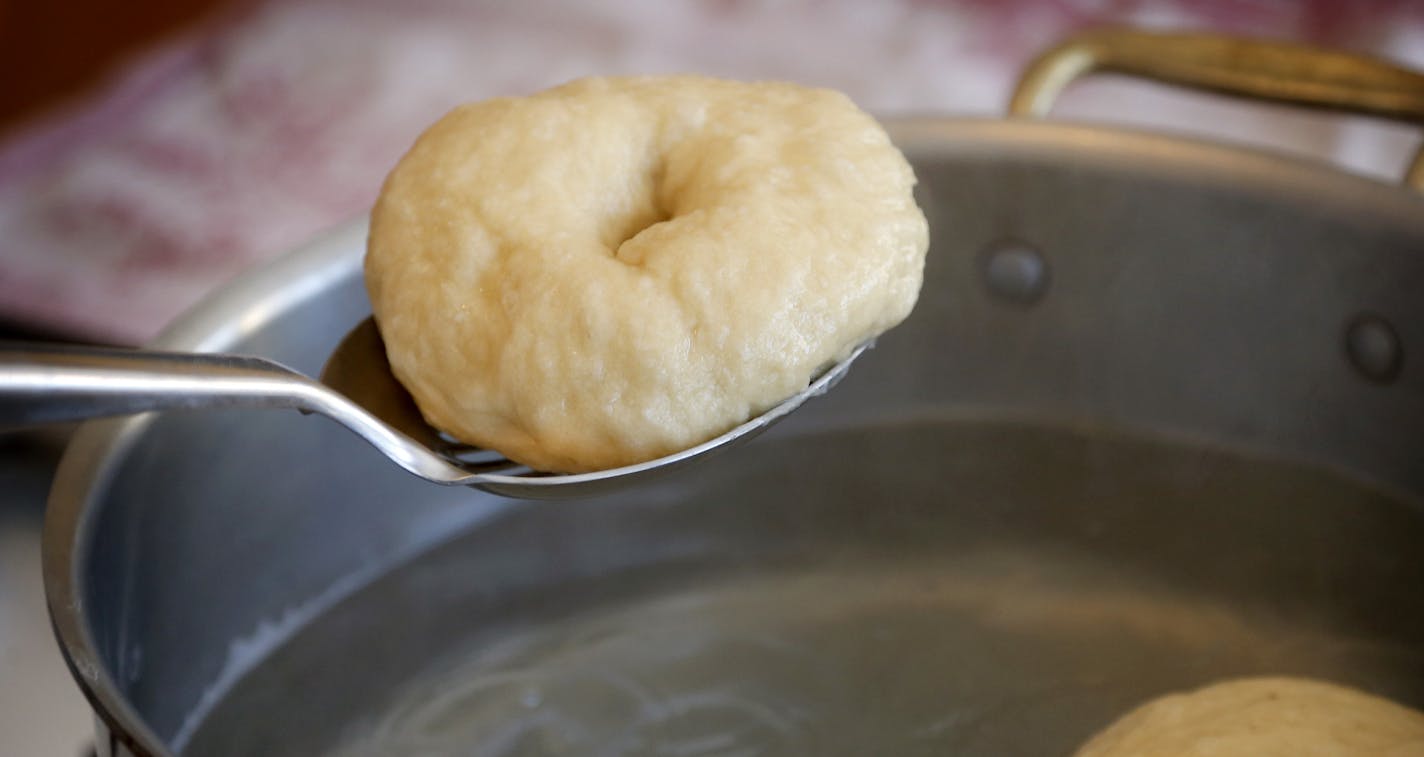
1158,419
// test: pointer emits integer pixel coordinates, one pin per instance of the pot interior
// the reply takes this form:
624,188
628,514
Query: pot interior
1122,446
929,587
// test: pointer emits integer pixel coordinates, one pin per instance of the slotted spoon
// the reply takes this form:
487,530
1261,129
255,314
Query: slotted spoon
44,384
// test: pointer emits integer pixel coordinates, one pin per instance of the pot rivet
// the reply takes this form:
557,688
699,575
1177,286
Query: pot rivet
1373,347
1015,272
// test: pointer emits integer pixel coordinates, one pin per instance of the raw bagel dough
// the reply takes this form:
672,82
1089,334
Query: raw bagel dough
620,268
1264,717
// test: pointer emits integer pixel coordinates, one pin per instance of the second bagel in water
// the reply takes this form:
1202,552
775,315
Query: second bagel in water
620,268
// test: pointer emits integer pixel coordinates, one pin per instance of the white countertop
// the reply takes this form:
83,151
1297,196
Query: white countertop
42,712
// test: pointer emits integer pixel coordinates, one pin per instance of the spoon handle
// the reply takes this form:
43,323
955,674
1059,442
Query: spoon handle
50,384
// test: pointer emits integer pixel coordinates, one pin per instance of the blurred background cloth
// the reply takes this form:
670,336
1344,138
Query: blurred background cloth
265,122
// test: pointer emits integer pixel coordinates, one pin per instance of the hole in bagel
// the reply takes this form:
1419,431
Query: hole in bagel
631,226
644,208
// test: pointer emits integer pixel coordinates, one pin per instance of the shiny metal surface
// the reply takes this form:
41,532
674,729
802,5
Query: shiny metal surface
50,384
358,370
1031,585
1163,469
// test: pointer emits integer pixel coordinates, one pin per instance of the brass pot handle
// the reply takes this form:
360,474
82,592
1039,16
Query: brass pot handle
1271,71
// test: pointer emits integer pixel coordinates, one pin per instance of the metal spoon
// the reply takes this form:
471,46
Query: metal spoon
43,384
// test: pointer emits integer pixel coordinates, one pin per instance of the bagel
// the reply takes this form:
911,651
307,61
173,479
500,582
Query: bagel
620,268
1264,717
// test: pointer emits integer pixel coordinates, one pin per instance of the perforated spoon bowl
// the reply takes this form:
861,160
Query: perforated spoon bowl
45,384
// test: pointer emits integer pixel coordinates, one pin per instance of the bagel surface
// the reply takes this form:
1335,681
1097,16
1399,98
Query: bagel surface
620,268
1264,717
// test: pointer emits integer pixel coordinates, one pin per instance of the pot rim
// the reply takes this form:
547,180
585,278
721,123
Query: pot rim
258,297
249,303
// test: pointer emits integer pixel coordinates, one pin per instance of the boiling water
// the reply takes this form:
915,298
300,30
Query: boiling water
958,589
987,659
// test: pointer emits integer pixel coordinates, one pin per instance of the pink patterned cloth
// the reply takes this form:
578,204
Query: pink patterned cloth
225,148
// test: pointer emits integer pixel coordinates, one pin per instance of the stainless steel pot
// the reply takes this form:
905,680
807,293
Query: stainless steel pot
1157,419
